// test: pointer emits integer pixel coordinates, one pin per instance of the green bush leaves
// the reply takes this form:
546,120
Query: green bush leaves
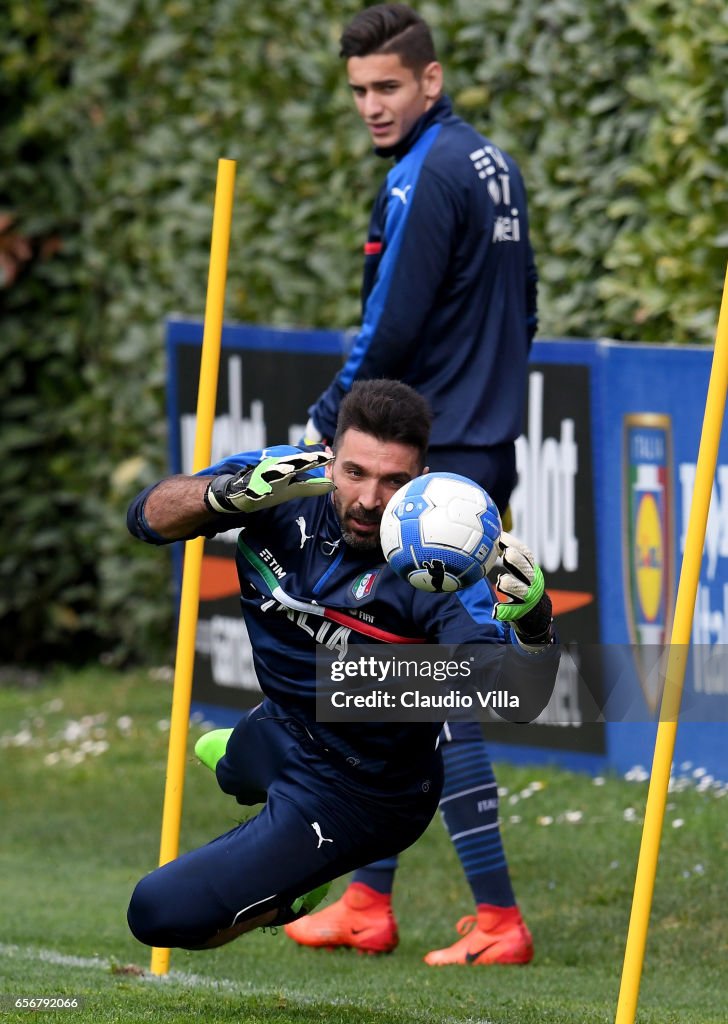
114,116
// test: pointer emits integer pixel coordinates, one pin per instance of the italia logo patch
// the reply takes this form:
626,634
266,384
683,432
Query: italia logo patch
364,584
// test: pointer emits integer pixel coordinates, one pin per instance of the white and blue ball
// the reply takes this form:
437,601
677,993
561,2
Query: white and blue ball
439,532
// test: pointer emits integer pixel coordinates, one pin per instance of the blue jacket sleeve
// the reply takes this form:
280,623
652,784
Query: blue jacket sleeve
234,463
418,239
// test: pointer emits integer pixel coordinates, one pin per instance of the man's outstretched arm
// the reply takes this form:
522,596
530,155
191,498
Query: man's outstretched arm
182,507
174,509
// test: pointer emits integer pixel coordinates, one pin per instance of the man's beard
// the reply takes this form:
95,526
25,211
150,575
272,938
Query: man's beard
354,540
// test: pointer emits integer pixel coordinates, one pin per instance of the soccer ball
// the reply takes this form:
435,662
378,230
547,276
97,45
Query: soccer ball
439,532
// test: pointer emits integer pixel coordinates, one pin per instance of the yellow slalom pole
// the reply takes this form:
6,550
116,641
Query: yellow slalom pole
192,570
675,674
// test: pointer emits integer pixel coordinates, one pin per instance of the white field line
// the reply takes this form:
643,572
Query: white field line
188,979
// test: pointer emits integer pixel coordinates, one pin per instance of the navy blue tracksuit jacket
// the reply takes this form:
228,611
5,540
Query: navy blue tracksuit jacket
449,287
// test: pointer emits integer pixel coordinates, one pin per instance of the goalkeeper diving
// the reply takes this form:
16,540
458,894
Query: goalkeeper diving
335,796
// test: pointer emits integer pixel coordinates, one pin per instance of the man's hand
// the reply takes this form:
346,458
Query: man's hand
271,482
528,606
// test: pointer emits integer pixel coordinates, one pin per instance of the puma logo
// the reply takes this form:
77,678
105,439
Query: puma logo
401,193
321,838
301,524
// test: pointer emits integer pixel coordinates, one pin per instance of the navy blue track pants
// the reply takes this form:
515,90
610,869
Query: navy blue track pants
320,820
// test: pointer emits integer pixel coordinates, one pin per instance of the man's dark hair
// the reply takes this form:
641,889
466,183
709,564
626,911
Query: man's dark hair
389,28
389,411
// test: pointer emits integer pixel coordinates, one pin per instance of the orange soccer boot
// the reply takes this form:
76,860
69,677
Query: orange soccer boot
362,919
496,935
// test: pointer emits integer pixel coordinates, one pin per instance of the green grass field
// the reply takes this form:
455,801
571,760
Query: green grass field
82,760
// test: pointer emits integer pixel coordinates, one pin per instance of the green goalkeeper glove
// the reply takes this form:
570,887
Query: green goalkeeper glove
528,606
273,481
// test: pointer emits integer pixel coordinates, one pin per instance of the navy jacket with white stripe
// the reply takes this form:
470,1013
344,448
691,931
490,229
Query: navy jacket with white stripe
449,287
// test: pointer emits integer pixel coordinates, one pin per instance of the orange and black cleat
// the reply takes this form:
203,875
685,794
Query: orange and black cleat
362,919
497,935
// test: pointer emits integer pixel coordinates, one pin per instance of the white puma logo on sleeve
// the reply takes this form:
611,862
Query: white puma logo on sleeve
401,193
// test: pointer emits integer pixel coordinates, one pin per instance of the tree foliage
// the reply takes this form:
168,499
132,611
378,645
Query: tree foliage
113,119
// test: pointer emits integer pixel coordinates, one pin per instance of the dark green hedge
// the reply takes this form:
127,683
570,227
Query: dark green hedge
113,117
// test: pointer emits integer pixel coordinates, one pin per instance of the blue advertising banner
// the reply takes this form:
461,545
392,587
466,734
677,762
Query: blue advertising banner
651,419
606,467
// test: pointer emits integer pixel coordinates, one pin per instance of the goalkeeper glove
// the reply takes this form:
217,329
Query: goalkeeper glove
273,481
528,606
